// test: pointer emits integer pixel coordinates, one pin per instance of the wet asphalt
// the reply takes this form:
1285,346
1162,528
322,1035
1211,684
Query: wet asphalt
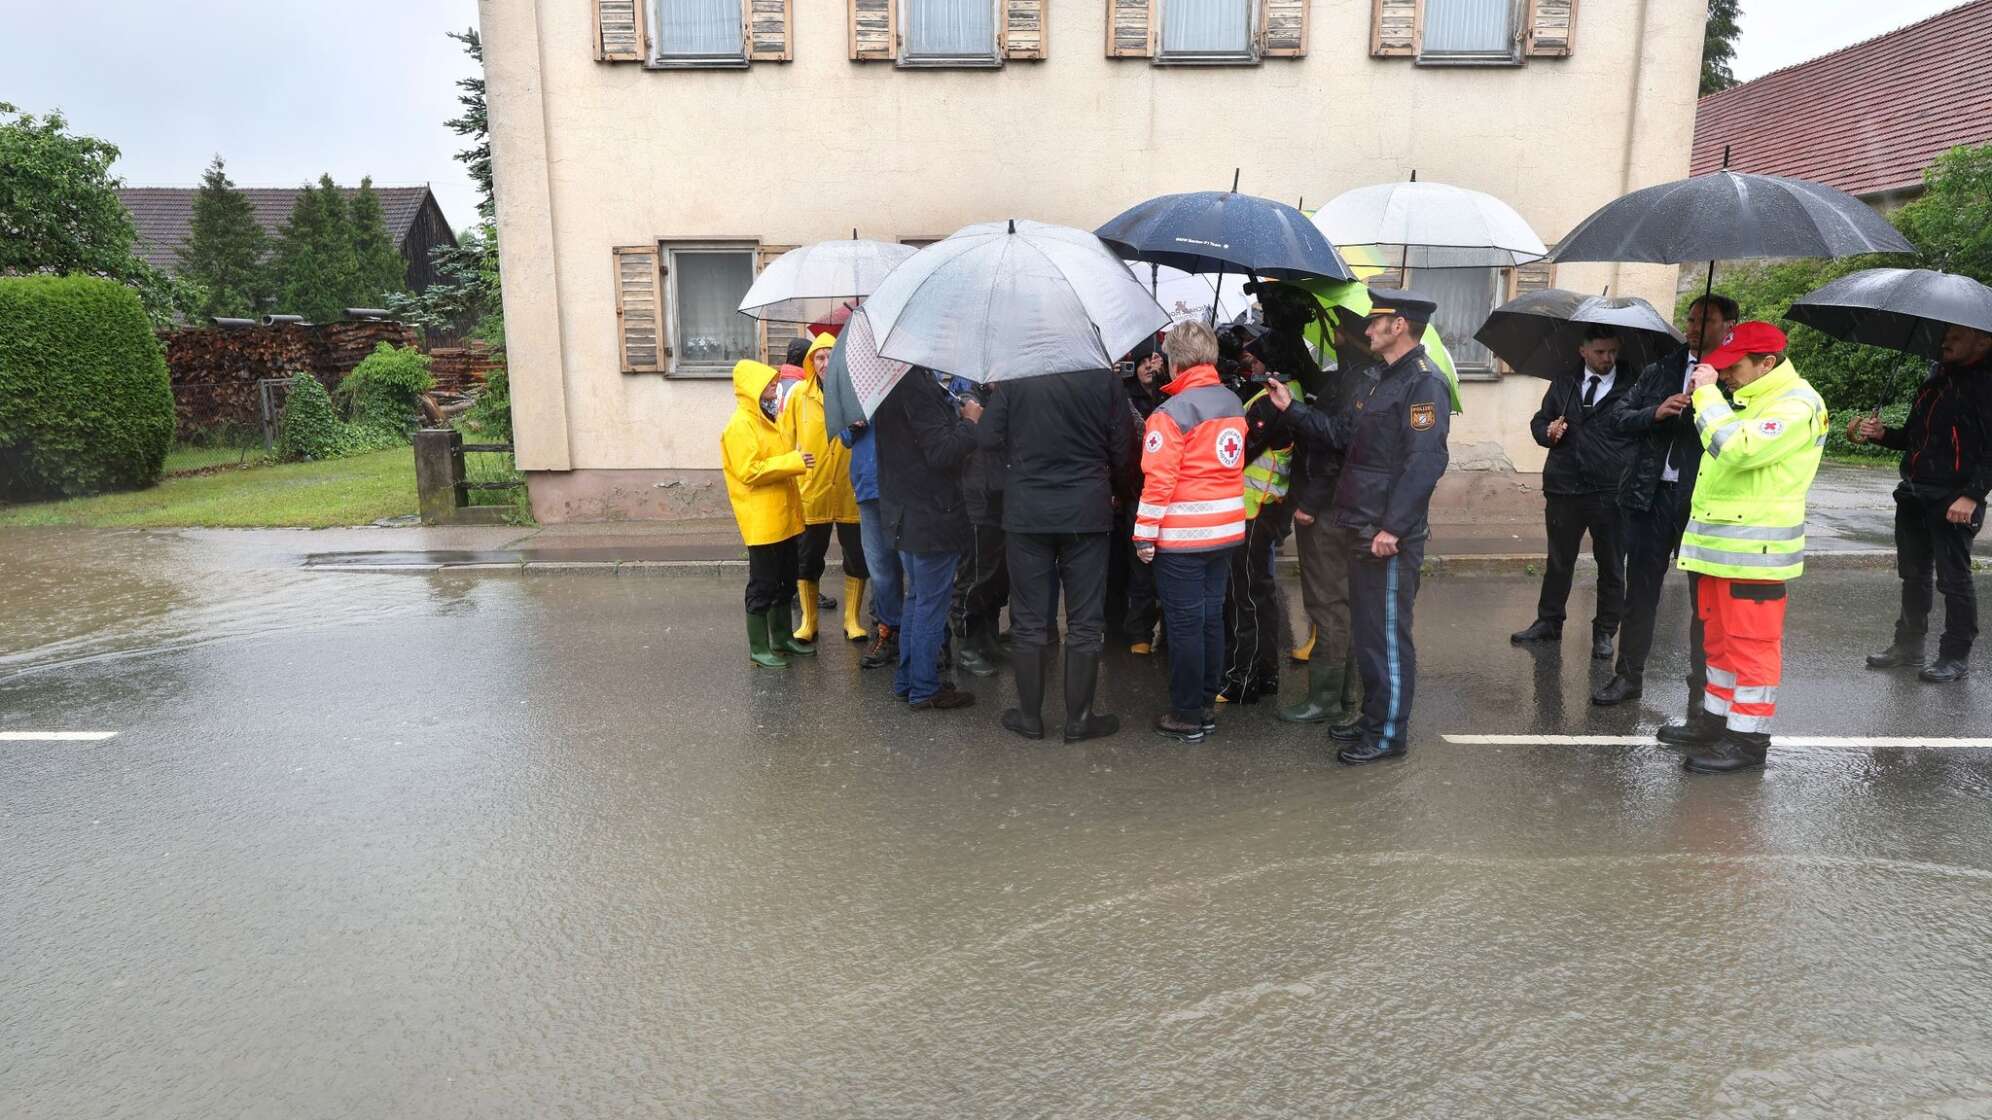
452,845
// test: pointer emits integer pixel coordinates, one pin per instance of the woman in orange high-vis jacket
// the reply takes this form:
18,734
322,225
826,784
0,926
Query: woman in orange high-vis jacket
1192,514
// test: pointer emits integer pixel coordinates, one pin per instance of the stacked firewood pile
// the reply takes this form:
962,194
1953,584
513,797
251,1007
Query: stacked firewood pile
214,370
461,369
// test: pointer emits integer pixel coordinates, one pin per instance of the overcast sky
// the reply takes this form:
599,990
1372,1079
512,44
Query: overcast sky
285,91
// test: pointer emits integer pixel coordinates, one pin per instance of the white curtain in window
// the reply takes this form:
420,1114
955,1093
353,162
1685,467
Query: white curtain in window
1207,27
1464,296
950,28
1469,26
711,331
699,29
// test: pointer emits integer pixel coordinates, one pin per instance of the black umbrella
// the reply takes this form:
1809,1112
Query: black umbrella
1224,231
1728,215
1539,333
1904,309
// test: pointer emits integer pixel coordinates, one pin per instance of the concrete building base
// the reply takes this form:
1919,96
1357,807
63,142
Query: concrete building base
627,495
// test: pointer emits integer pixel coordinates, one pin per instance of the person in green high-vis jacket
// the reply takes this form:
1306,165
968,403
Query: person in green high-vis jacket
1746,535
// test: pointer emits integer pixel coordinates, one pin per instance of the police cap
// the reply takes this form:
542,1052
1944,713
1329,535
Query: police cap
1414,306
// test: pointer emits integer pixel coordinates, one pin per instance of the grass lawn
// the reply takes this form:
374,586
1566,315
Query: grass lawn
352,491
186,457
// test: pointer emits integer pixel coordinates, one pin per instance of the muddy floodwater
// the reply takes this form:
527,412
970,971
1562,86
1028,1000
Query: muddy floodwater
458,845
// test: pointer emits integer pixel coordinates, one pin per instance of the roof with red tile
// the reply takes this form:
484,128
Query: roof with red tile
1867,119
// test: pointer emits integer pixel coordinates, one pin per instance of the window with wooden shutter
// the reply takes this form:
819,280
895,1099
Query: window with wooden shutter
1283,28
874,34
1552,28
1026,36
619,31
1131,28
1517,282
1394,28
640,331
770,30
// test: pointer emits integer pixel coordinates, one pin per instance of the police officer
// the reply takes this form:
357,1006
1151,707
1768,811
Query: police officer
1395,443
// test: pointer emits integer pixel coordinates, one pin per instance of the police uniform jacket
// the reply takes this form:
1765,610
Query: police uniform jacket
1394,450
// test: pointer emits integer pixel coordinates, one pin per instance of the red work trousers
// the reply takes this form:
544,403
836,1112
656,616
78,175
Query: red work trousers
1743,623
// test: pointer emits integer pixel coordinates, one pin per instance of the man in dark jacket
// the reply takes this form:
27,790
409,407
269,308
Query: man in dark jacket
1133,610
1580,480
1940,505
982,578
923,440
1064,439
1655,493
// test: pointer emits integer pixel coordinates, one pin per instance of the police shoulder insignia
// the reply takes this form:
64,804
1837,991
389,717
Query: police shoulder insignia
1423,416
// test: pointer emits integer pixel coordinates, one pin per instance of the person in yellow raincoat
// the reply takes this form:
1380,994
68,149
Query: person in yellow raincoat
762,465
827,499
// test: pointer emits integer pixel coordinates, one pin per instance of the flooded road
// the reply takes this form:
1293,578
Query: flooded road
444,845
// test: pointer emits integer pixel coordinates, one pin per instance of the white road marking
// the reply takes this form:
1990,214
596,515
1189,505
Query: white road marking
1828,742
55,736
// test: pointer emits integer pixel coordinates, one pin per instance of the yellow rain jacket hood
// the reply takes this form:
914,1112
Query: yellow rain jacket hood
826,489
761,463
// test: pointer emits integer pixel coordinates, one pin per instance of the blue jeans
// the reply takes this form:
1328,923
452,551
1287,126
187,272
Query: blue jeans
1191,587
929,587
887,586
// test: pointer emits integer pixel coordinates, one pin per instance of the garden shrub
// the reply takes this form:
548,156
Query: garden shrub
309,429
85,402
491,417
380,394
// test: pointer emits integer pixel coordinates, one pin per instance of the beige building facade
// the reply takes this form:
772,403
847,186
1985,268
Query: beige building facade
650,155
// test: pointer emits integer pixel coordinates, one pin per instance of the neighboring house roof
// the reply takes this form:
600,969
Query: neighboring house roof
165,215
1867,119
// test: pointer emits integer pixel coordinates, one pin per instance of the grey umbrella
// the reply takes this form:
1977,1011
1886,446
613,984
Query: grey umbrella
1539,333
1904,309
1727,216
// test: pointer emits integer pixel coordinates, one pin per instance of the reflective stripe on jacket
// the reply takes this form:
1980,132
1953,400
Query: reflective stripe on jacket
1193,467
1270,474
1748,516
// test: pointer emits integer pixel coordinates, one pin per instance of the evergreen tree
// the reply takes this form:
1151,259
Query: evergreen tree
1719,44
224,255
315,264
378,270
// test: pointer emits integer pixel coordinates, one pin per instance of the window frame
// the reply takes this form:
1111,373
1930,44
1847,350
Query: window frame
1499,280
668,249
905,61
1517,42
656,59
1255,14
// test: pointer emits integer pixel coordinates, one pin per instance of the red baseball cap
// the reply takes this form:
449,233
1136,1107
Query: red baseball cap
1753,337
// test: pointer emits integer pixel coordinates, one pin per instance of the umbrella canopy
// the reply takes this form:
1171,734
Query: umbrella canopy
1903,309
1728,215
806,284
1188,295
1002,301
1223,231
1431,225
856,379
1539,333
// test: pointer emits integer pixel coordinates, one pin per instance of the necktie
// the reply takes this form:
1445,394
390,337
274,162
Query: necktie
1591,392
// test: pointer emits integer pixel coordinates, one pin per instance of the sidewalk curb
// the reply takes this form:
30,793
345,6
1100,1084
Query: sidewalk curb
1461,566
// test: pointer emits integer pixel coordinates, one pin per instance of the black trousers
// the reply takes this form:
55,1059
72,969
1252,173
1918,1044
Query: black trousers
1144,605
1568,518
1381,593
1925,543
814,545
1253,611
771,573
981,585
1652,536
1041,564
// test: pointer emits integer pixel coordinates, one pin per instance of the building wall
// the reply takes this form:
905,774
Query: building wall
589,156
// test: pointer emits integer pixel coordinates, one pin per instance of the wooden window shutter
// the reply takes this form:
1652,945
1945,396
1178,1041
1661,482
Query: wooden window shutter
770,30
874,30
619,32
1131,28
1283,28
1552,28
1395,27
774,337
1532,277
641,334
1026,36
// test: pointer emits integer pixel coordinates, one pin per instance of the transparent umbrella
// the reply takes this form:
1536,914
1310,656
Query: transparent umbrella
808,284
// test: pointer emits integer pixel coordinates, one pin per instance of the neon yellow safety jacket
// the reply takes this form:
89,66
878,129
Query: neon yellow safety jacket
1269,476
1748,514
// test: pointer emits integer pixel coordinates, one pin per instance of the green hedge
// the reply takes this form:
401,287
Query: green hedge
308,428
380,393
85,403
